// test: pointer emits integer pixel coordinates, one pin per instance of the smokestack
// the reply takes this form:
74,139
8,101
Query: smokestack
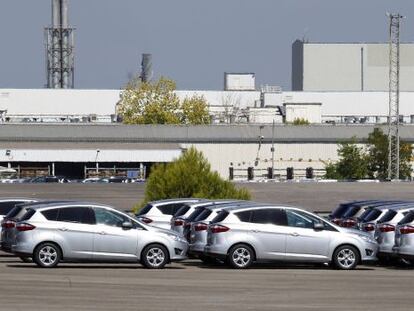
64,13
146,68
55,13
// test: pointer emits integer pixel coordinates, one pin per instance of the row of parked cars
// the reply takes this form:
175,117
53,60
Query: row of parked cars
239,233
63,179
390,223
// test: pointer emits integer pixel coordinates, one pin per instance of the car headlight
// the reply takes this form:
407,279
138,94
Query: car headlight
177,238
367,239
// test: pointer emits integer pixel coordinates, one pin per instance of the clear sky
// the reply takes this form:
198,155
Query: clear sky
192,41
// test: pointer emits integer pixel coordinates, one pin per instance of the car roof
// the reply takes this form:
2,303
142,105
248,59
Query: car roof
10,199
57,204
262,205
177,200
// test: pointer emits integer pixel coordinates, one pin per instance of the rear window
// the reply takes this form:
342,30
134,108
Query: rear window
387,217
220,216
365,213
352,211
182,210
195,214
170,209
29,213
407,218
340,210
144,210
203,215
13,212
6,207
372,215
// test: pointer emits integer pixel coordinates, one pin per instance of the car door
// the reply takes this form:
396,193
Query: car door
74,227
303,242
267,231
112,241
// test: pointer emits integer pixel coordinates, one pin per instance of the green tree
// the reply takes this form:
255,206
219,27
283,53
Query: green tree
157,103
378,156
300,121
352,164
195,110
190,176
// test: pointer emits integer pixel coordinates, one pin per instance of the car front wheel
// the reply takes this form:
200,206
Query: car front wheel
346,257
154,256
47,255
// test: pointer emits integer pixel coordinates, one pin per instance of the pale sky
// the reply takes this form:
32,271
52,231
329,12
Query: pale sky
192,41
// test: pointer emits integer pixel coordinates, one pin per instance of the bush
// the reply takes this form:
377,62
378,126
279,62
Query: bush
190,176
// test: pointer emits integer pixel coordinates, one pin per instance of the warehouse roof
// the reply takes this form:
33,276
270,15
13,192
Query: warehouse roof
122,134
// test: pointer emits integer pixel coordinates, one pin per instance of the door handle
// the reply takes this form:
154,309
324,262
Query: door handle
255,231
63,229
102,232
294,234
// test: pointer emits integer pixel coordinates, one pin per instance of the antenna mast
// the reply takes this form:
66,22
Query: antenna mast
394,97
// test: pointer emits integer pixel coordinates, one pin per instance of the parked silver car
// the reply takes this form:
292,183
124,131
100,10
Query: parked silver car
198,228
159,213
385,230
280,233
404,237
7,204
79,231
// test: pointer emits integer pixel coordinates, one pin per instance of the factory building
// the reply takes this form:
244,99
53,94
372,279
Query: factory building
87,150
348,67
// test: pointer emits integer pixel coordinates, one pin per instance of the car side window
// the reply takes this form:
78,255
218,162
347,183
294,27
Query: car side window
272,216
109,218
78,214
294,219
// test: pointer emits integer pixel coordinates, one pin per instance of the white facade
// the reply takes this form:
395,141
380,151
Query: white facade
310,112
348,66
239,81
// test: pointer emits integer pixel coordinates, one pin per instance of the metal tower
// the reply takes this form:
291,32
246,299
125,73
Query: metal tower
394,97
59,42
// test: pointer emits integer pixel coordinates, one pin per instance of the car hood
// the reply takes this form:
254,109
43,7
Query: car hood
355,231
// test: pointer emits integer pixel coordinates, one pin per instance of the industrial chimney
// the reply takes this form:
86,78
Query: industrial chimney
59,42
146,68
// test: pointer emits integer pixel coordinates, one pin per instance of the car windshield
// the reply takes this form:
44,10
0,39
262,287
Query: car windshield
388,216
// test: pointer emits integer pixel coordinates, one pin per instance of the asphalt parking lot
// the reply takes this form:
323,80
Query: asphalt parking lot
190,285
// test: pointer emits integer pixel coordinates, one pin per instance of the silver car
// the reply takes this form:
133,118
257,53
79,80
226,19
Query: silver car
280,233
7,204
385,230
179,222
404,237
370,219
198,228
159,213
78,231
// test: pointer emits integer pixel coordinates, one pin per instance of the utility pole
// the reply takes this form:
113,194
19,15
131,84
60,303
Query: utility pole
273,149
394,97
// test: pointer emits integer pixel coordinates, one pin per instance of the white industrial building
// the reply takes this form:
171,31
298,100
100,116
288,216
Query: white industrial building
84,150
355,67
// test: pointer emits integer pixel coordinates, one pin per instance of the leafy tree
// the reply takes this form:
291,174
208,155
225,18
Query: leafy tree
378,156
353,163
300,121
157,103
195,110
190,176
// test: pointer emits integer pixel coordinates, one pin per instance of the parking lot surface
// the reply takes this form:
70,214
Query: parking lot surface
190,285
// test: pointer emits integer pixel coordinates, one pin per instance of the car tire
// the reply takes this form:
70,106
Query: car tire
47,255
346,257
154,256
240,256
25,259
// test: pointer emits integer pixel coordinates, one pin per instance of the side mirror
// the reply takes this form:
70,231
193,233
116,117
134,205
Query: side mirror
127,225
318,226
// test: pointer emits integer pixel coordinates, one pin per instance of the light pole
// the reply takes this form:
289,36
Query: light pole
273,149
